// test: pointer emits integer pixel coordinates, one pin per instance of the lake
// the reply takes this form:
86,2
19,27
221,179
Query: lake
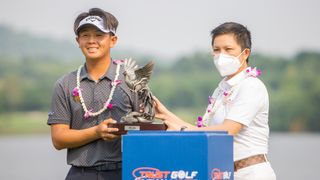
32,157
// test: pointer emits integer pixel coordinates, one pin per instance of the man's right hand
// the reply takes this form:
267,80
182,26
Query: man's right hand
64,137
105,132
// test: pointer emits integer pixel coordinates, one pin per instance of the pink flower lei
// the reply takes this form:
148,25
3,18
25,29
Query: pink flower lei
212,101
76,92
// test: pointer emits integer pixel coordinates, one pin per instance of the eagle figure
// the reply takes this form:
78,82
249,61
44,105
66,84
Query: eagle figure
137,79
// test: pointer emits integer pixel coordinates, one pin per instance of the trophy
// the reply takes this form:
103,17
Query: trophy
137,79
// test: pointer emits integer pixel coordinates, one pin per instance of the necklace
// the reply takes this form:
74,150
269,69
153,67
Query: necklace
77,94
222,95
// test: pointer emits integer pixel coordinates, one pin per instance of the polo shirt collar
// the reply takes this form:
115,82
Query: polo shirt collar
109,74
237,78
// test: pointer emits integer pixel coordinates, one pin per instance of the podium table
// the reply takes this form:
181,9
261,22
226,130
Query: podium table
163,155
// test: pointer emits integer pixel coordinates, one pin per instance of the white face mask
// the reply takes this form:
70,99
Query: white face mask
226,64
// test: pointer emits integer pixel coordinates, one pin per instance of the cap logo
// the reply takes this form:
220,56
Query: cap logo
93,18
97,22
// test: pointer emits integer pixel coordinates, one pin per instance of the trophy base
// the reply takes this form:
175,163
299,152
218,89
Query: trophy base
125,127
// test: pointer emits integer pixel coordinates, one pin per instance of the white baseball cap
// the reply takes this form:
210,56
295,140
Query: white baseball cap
95,21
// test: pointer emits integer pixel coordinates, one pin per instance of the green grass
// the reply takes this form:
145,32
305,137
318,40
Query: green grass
23,123
36,122
189,115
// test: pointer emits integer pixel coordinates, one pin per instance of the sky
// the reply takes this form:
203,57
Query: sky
177,27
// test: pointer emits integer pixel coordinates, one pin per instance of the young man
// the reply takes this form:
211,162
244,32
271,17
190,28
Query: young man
85,101
239,105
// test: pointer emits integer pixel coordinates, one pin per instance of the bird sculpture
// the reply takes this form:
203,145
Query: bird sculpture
137,79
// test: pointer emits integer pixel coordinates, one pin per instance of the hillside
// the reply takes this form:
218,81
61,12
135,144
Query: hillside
19,44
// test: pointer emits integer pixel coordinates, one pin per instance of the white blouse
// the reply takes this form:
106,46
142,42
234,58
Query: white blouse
249,105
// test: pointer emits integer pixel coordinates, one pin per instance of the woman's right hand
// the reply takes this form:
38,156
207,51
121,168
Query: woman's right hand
171,120
161,111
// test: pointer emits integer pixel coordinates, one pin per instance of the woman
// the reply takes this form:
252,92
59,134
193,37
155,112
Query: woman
238,105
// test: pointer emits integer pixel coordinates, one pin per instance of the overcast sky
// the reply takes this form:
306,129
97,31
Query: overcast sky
175,27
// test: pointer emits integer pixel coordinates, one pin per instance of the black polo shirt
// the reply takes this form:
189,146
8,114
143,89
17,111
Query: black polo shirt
65,110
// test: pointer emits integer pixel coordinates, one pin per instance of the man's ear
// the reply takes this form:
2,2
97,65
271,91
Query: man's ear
114,40
77,39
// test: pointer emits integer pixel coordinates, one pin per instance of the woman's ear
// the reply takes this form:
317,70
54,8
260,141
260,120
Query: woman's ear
247,53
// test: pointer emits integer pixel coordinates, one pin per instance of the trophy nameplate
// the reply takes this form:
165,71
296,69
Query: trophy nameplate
125,127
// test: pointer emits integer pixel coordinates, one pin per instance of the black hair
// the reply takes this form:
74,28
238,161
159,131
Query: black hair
110,22
241,33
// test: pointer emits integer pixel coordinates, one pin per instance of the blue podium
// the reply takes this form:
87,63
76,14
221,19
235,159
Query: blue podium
162,155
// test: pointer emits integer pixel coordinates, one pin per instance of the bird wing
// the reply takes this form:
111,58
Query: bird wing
145,72
130,67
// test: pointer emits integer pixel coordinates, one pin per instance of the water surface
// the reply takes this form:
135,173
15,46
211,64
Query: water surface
32,157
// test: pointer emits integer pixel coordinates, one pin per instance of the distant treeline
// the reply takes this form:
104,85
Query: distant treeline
294,85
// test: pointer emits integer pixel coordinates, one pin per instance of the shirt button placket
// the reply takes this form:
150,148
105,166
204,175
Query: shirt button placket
96,105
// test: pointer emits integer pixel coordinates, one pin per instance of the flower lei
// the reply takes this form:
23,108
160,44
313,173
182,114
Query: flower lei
77,94
220,96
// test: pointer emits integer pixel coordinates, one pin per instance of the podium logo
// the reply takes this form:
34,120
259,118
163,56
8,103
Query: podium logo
149,173
216,174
